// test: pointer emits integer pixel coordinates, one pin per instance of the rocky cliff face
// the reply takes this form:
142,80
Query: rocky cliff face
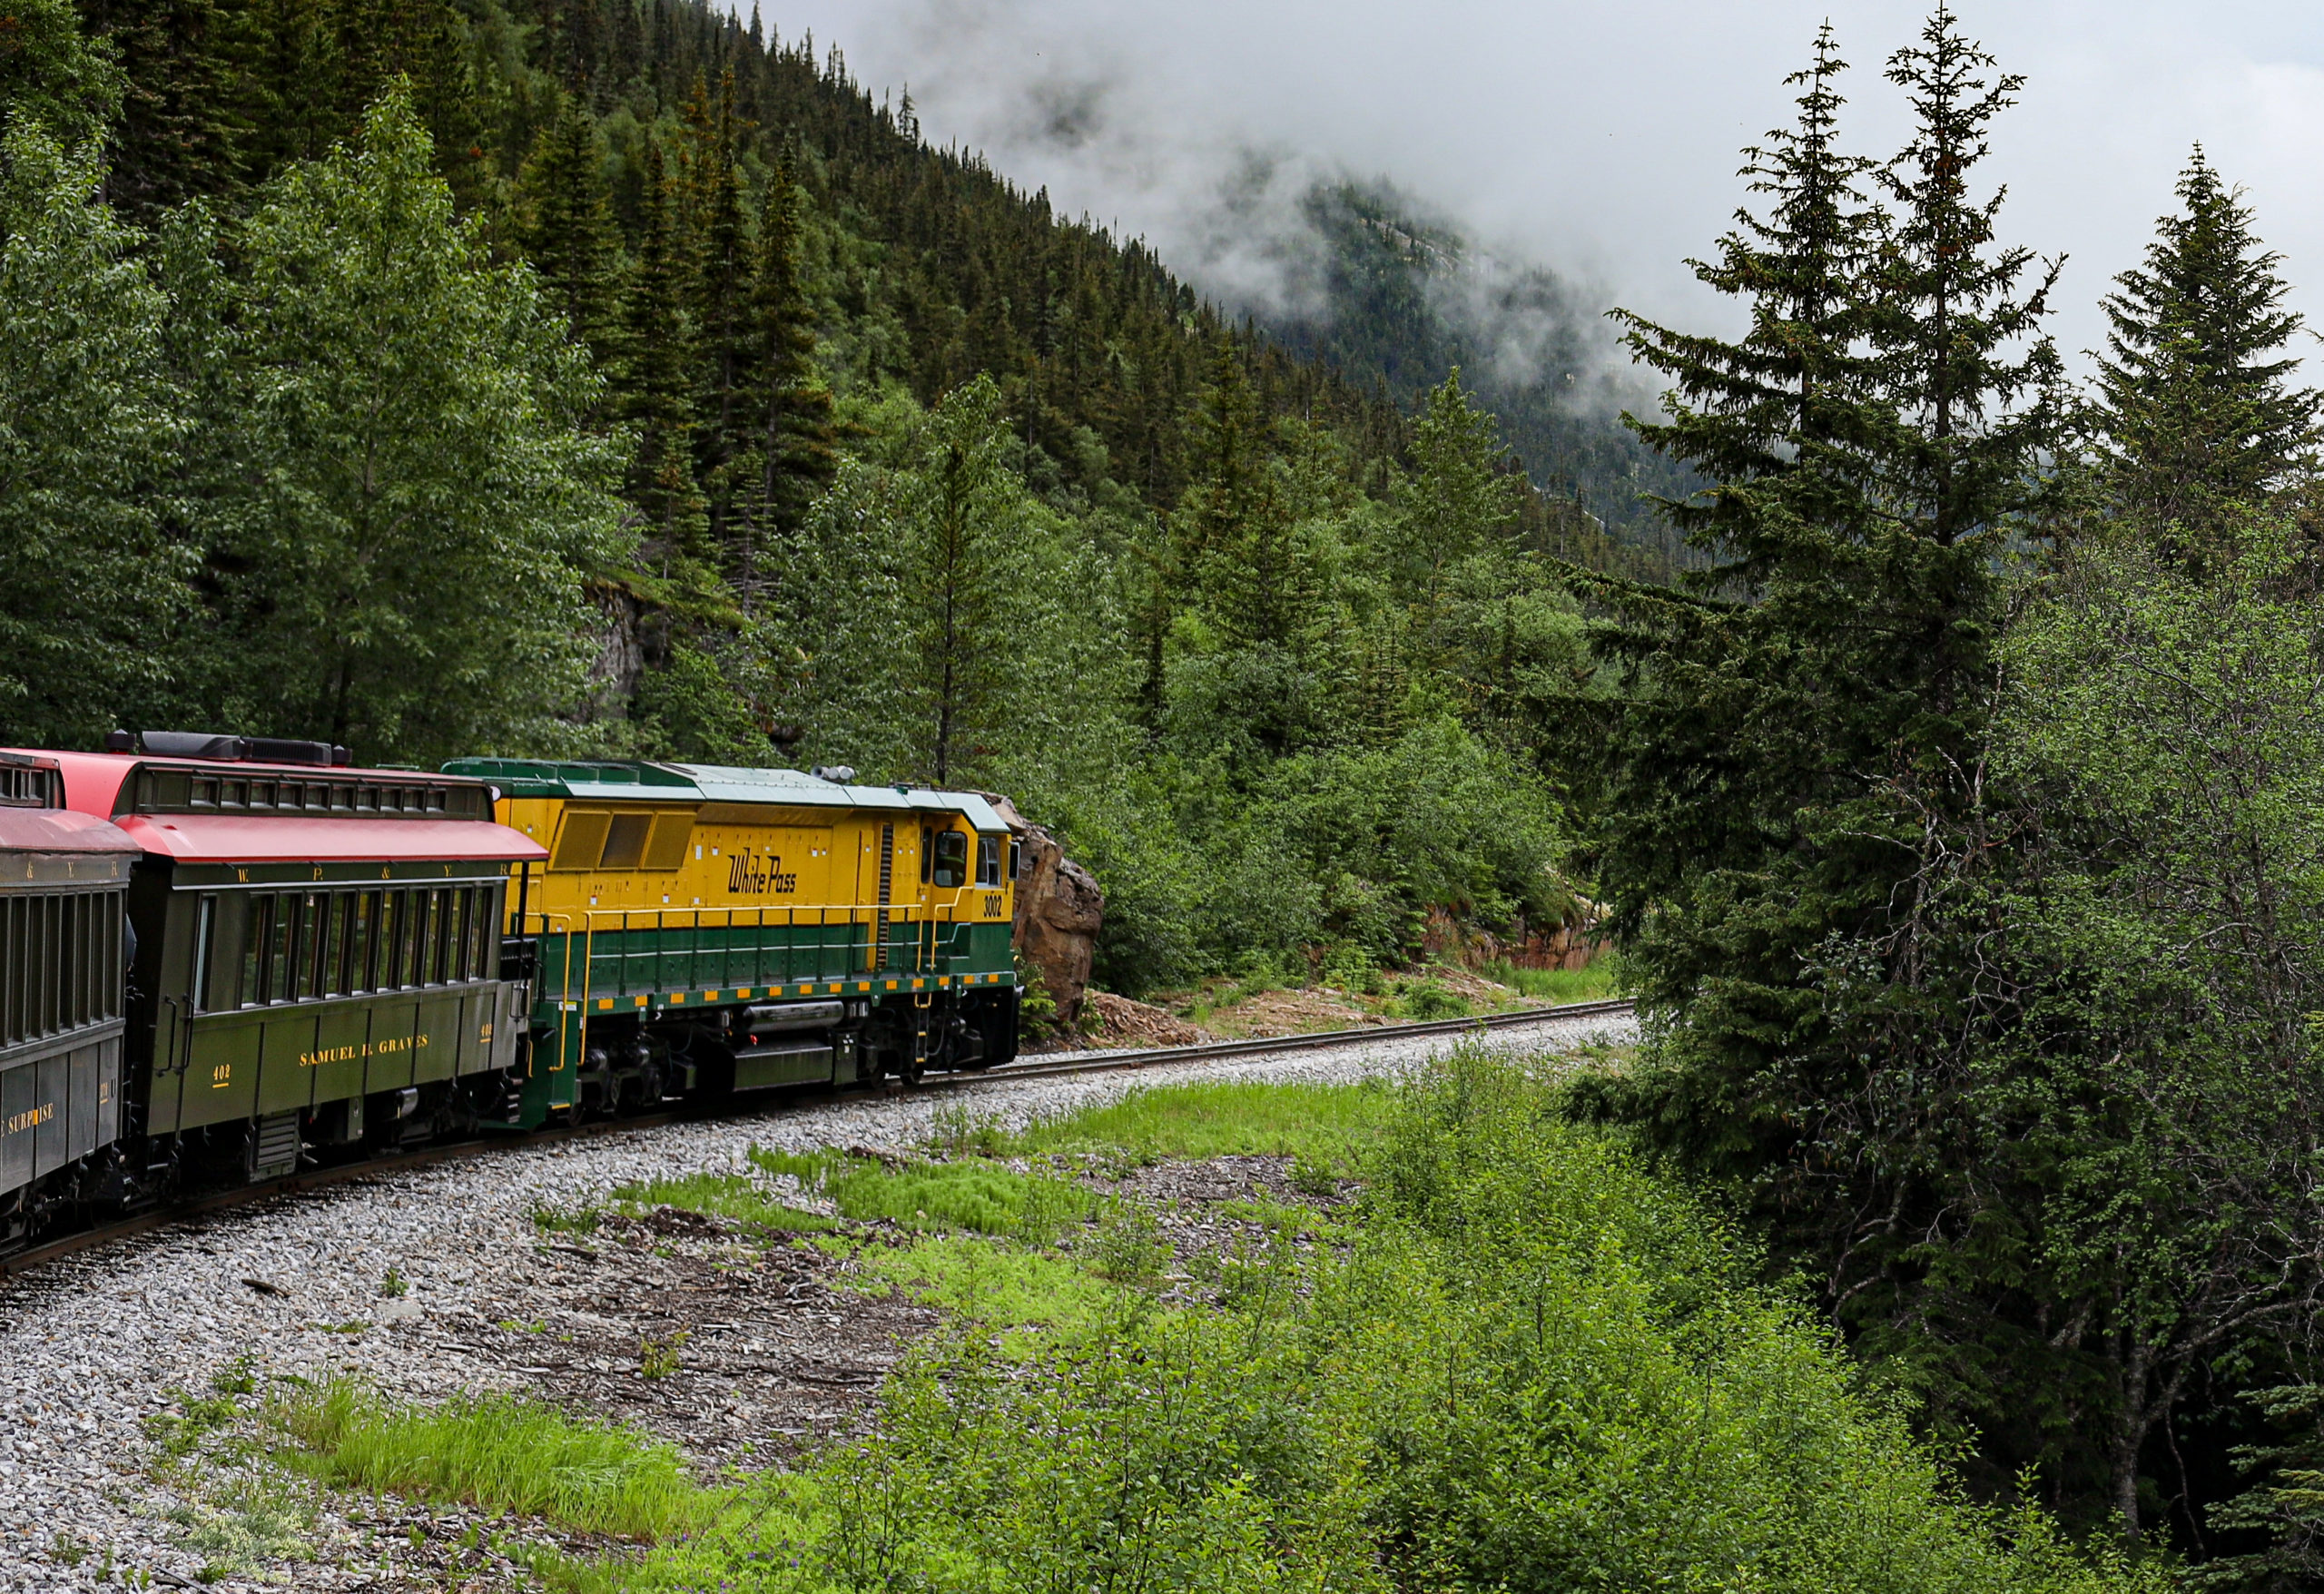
1058,912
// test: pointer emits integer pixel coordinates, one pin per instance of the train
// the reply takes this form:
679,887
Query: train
225,958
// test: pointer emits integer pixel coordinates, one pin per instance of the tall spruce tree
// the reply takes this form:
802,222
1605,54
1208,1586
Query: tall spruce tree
962,506
796,447
655,393
725,269
2198,413
1233,473
1871,441
1726,740
180,129
1458,500
566,225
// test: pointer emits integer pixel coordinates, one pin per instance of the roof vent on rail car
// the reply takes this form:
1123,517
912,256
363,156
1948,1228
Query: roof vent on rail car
229,749
27,782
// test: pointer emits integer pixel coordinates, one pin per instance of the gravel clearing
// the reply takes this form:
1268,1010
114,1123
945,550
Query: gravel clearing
96,1345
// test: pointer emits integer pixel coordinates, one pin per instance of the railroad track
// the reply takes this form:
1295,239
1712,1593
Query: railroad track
199,1208
1321,1040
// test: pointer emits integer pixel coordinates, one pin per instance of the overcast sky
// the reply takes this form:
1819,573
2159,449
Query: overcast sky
1600,139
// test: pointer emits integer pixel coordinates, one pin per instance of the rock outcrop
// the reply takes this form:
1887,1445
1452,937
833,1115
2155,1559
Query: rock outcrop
1058,912
1572,942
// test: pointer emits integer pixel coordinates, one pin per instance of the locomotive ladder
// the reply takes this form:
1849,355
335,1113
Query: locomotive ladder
887,885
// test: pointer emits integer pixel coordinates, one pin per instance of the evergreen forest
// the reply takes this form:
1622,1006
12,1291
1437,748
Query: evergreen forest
620,378
679,400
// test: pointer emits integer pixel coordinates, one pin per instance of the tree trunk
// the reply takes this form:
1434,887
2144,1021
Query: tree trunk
2136,1416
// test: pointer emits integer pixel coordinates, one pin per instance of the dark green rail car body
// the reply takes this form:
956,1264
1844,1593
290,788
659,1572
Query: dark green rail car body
319,957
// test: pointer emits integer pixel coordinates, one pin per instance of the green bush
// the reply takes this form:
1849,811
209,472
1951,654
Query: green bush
1532,1367
1428,1000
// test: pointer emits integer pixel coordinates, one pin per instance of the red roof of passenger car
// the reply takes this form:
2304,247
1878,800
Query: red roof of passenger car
93,783
239,838
60,830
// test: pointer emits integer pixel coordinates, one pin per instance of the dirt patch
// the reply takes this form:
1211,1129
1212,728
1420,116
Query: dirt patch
1290,1012
1191,1206
1475,988
1122,1022
673,1323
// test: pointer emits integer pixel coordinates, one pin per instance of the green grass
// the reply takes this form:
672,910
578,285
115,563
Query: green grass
1032,1297
499,1454
1601,981
974,1195
1525,1361
1325,1124
553,1220
732,1196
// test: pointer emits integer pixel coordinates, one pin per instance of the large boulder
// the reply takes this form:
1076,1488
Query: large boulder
1059,910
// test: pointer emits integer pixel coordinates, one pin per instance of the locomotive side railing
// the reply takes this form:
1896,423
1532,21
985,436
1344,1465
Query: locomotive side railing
678,943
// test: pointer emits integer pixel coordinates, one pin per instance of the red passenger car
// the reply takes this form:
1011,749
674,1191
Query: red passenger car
64,879
317,959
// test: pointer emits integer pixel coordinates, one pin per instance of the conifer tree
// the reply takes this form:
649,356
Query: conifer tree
291,90
1706,772
1231,462
565,224
1151,578
655,394
796,445
720,292
180,129
1971,419
2197,410
1870,439
1770,419
960,505
1458,500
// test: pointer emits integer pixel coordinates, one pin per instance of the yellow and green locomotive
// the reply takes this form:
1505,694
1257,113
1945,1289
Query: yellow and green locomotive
699,931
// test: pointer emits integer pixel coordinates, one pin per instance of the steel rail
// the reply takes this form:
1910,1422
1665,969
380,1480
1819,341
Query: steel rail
194,1210
1316,1040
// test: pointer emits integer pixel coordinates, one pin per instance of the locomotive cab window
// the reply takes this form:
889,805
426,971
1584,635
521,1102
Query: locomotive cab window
951,868
989,860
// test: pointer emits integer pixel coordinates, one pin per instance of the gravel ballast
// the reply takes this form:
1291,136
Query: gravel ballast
96,1345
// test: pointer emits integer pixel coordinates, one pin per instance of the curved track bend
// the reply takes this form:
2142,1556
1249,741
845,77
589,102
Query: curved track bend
1034,1068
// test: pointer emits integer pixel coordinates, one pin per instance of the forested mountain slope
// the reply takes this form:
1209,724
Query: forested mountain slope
613,377
1394,299
918,264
